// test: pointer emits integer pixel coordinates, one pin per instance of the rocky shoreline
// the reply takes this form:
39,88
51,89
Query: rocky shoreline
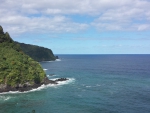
27,86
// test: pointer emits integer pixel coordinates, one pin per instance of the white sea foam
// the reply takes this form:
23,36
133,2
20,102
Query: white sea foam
70,80
88,86
45,69
58,60
51,75
98,85
54,79
47,61
5,98
10,92
52,60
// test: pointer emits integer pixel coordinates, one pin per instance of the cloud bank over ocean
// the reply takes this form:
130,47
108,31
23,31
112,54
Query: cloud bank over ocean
68,20
57,16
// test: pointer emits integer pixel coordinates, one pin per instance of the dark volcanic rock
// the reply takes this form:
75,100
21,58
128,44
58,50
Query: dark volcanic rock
47,81
24,87
27,86
56,57
61,79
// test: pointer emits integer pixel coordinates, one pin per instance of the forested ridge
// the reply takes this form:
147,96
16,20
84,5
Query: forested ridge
16,68
37,53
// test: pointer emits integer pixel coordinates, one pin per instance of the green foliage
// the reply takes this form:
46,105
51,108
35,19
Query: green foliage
15,66
1,30
4,37
37,53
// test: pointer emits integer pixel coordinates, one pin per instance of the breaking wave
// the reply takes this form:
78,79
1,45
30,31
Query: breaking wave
58,60
70,80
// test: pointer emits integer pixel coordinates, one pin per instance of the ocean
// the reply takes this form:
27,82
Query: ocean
97,84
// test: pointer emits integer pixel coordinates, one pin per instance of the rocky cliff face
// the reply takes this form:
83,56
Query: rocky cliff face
17,70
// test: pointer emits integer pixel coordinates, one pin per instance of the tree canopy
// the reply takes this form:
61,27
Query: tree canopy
15,66
37,53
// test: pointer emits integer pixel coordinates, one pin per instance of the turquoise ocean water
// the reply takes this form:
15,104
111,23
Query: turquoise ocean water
97,84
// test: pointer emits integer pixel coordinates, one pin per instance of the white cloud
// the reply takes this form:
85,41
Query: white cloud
59,24
143,27
71,7
133,15
50,16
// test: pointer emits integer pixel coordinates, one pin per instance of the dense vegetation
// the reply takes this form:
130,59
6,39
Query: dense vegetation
37,53
17,68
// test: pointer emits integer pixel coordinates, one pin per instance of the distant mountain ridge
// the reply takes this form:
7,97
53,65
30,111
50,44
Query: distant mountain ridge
37,53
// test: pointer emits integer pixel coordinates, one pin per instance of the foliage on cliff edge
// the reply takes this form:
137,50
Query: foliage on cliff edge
15,66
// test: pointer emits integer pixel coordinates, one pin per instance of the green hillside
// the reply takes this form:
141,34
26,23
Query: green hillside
37,53
17,68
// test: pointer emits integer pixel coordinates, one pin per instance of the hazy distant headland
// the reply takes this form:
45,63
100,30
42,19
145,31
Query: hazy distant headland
37,53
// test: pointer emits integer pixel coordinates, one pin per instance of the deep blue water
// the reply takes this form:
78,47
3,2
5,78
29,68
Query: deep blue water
98,84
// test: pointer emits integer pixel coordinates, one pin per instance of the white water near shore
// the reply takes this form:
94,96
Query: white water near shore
52,61
58,60
60,83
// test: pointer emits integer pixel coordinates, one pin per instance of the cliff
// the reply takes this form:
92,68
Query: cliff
37,53
17,70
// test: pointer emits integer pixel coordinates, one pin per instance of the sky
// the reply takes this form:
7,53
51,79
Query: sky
79,26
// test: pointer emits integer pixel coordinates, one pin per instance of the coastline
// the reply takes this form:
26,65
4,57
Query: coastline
27,87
